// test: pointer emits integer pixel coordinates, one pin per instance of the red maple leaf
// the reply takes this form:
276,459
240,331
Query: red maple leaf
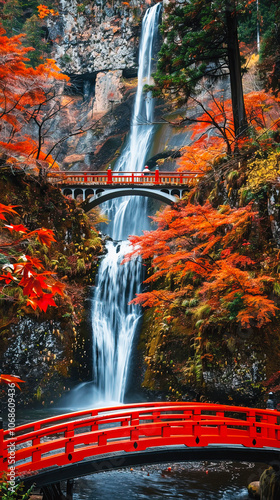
11,379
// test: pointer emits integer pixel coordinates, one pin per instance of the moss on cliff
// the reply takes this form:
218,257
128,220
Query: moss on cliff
59,350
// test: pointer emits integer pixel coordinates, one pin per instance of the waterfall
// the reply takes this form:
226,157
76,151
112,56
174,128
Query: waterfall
114,322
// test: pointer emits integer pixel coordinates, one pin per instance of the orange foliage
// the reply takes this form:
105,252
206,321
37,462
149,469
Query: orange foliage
201,154
262,111
38,285
199,242
44,11
24,93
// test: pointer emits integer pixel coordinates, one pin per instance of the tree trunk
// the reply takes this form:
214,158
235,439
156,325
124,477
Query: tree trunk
237,98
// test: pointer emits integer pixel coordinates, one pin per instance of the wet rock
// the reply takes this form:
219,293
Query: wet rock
36,354
270,484
274,213
254,490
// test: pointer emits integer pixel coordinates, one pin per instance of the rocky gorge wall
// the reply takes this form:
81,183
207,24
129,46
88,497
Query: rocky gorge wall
97,36
96,44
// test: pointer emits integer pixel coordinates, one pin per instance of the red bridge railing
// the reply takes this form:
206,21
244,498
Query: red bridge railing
67,439
110,177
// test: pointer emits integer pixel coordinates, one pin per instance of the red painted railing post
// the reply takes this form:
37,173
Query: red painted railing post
181,178
85,176
134,428
109,176
156,176
132,178
3,465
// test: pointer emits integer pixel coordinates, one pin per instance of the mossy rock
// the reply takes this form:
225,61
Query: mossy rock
270,484
254,490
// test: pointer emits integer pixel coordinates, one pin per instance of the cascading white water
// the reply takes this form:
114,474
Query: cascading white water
114,322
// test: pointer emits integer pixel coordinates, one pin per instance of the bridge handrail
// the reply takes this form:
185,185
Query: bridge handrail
129,417
144,406
218,428
123,177
138,426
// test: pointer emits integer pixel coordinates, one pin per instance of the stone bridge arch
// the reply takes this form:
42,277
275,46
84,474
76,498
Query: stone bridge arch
94,197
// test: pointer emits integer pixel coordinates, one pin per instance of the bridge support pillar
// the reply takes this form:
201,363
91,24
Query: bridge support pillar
54,492
69,489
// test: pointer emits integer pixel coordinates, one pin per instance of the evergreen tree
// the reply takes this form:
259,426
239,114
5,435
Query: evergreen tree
200,40
258,19
270,54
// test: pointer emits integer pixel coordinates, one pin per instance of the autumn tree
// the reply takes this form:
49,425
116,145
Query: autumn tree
213,131
24,94
31,99
200,244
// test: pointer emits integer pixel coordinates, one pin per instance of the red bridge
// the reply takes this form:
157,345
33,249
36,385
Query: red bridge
89,441
167,187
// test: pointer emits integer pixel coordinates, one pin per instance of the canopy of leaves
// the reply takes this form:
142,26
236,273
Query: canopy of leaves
270,53
258,16
197,243
25,93
195,45
213,131
21,16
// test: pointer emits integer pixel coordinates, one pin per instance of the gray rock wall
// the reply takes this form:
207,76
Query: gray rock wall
96,43
97,36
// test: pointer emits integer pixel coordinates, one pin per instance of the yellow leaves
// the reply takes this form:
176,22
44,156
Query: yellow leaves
263,170
252,61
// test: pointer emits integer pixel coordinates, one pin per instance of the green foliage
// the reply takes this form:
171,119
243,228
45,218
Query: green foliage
235,306
35,37
16,493
81,8
269,67
264,12
195,46
20,16
201,46
65,59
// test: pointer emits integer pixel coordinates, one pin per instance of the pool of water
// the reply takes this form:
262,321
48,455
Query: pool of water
192,480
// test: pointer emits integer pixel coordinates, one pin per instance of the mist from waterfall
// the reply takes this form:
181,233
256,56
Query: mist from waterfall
114,322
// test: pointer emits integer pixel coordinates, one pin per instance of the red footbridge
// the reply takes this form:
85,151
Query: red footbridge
97,187
85,442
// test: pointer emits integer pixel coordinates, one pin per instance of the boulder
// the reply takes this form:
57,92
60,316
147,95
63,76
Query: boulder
270,484
254,490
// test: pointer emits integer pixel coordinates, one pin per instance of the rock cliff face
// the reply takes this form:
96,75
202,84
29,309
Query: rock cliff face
97,36
96,43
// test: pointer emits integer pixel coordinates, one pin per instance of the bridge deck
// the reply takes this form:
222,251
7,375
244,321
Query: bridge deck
69,439
88,178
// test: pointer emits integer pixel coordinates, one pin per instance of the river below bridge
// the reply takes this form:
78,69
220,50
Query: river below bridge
188,481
